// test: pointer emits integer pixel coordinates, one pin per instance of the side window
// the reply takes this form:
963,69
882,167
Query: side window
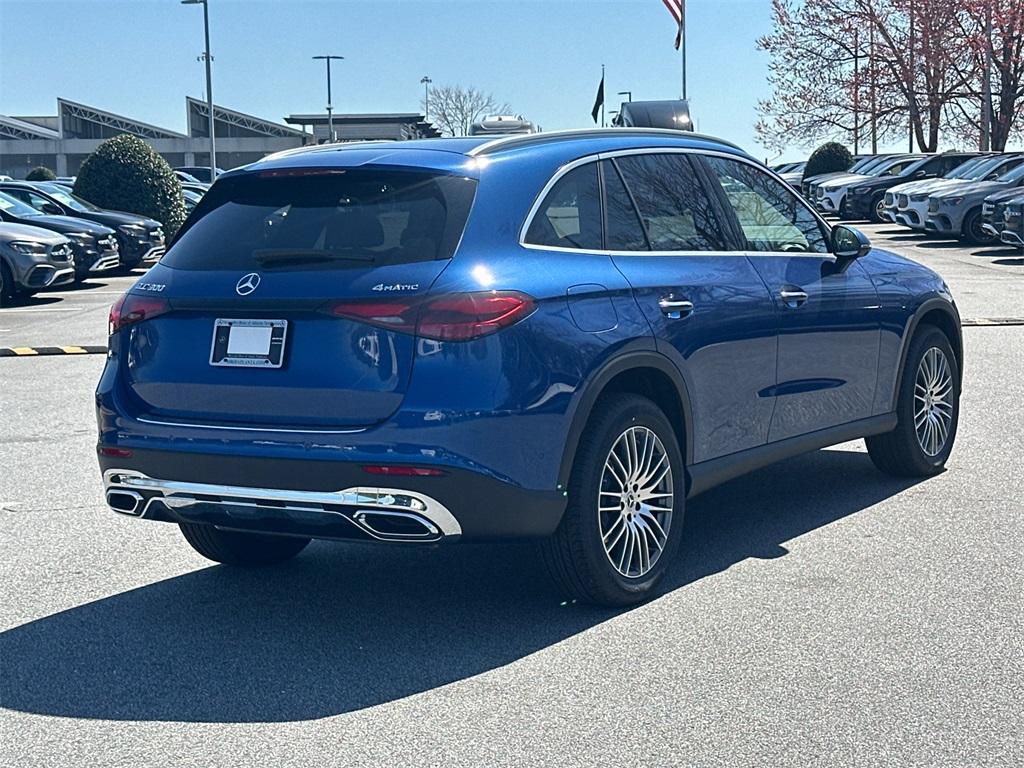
624,231
676,211
20,194
771,216
570,216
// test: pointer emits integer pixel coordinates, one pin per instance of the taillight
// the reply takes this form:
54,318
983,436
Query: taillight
451,317
131,309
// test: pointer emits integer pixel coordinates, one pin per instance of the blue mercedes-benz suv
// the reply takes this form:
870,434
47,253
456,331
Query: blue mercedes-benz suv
561,336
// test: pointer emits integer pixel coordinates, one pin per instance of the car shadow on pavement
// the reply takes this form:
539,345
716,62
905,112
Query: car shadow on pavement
342,628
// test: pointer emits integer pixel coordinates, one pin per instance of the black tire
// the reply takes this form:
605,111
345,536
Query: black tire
244,549
7,286
877,205
900,452
575,555
972,231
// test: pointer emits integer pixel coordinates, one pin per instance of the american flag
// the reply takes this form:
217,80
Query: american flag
678,10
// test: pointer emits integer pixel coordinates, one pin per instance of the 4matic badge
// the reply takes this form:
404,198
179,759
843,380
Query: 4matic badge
397,287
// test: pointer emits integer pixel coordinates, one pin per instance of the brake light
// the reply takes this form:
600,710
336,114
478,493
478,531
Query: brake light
130,309
452,317
393,471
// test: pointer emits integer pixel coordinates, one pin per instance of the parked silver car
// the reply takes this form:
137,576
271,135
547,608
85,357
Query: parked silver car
31,259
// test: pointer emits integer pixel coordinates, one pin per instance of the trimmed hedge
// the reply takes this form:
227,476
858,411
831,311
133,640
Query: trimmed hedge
126,174
41,173
828,158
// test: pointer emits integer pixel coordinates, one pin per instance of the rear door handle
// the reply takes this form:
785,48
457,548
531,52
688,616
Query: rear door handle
793,297
675,308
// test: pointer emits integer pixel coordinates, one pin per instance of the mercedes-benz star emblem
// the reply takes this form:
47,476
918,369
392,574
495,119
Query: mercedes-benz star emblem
247,284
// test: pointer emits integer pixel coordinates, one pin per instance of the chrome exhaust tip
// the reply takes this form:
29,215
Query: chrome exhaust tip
396,526
125,502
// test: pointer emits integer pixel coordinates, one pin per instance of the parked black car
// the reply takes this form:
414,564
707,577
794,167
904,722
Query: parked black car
140,239
199,172
1013,224
95,246
993,210
866,199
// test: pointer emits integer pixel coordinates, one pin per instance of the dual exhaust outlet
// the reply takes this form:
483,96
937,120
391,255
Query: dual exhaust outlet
381,513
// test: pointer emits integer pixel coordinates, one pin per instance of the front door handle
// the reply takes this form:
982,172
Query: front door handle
675,308
793,297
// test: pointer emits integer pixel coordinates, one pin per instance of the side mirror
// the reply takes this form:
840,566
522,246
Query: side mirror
52,209
849,243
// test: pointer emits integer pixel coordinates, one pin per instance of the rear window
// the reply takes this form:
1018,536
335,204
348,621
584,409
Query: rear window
337,220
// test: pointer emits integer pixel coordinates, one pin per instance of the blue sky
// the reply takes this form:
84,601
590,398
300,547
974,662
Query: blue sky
138,57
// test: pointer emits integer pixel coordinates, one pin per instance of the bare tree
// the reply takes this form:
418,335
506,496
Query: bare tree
994,30
909,55
454,108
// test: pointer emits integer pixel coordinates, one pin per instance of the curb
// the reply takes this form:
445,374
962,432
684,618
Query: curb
40,351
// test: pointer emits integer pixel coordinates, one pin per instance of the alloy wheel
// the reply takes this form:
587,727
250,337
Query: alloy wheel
880,210
635,502
933,401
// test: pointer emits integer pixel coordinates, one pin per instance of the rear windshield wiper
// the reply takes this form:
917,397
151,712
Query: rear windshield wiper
270,256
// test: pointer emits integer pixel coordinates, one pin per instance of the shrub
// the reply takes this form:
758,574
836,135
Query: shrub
41,173
126,174
828,158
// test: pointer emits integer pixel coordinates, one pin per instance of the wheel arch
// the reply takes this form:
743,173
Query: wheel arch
939,313
644,373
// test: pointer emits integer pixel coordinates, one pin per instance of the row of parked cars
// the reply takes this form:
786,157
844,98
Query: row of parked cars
977,197
50,237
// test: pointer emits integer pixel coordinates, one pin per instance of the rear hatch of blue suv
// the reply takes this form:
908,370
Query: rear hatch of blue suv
260,316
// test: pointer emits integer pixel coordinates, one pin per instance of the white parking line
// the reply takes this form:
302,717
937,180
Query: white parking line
42,309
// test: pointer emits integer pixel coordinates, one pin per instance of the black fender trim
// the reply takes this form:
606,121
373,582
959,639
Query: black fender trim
595,386
949,308
708,474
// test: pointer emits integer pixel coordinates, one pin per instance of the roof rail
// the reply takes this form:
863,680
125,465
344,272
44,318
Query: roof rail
526,140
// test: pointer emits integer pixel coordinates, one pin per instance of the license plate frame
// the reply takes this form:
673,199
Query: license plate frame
248,349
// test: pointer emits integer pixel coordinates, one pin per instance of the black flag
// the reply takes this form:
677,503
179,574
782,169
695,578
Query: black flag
599,101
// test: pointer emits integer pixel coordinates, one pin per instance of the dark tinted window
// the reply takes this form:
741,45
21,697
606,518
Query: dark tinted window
675,209
337,220
624,231
771,216
570,216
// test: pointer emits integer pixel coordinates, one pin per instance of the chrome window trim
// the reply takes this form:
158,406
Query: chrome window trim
596,157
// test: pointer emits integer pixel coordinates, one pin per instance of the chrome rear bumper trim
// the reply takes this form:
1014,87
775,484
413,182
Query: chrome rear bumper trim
434,516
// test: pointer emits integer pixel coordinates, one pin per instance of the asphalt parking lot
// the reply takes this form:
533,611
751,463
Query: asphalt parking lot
820,613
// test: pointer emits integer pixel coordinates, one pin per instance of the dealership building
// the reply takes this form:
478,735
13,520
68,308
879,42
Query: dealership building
63,141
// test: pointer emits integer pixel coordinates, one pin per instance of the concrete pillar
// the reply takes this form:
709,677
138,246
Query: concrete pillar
190,158
62,164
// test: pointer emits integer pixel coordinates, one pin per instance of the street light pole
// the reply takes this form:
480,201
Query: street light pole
209,85
330,107
426,96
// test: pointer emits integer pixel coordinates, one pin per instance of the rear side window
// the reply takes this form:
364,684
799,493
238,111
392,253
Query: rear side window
353,217
676,211
570,215
624,230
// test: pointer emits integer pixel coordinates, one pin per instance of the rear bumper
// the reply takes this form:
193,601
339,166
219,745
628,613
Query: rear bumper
324,499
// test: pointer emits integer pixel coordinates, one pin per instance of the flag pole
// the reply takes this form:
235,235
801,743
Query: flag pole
682,43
